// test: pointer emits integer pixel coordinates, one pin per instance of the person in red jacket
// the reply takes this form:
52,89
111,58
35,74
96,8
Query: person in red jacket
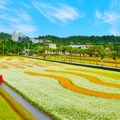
1,78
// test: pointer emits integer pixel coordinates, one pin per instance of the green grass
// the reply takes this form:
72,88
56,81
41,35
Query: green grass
10,109
6,113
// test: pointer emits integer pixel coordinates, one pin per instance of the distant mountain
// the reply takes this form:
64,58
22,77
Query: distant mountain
95,40
109,39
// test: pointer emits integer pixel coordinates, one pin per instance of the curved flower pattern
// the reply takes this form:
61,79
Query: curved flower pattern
65,82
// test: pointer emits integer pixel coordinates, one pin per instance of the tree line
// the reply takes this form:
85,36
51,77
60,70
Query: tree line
99,45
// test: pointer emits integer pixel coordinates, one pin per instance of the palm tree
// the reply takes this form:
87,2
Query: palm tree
80,53
102,55
114,56
63,50
68,49
99,51
75,51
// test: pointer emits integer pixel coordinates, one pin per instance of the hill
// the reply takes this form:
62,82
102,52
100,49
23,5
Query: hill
4,36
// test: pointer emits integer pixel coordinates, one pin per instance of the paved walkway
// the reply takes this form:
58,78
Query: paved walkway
33,110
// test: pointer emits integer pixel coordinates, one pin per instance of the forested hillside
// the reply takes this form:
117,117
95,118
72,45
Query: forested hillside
96,40
83,39
4,36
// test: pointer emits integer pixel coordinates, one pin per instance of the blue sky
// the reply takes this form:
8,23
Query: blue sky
60,17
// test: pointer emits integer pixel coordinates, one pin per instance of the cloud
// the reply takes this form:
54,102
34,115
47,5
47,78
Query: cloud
24,16
114,31
5,16
61,12
20,21
110,17
25,28
14,17
26,5
98,14
115,5
3,4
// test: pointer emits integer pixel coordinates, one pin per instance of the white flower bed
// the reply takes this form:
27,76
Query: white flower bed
61,103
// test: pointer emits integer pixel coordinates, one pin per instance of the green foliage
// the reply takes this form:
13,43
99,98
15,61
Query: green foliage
9,47
96,40
6,112
4,36
114,55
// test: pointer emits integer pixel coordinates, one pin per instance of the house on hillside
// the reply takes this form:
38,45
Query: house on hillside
52,46
81,46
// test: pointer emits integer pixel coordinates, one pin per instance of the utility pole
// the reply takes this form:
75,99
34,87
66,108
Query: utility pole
3,48
28,49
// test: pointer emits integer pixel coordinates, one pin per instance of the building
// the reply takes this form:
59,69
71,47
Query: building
19,37
46,42
23,38
81,46
36,40
52,46
14,36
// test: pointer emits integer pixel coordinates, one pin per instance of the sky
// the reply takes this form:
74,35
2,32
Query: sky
60,18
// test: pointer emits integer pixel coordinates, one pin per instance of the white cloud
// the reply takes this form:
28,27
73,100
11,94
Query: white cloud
3,4
24,16
115,29
19,21
5,16
25,28
62,12
115,5
26,5
114,32
111,17
108,17
98,14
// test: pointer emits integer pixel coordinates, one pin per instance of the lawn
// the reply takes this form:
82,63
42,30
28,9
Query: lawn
6,112
12,110
65,92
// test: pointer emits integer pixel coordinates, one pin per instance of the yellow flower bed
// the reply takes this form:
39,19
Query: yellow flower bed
96,72
9,58
21,58
65,82
91,78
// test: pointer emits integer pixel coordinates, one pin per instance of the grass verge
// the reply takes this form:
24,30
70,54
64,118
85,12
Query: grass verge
17,108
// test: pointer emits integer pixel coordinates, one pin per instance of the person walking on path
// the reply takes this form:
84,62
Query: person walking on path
1,79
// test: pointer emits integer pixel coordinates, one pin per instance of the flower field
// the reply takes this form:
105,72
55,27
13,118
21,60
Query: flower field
65,92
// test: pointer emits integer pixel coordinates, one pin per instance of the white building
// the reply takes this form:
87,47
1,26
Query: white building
52,46
81,46
34,40
19,36
14,36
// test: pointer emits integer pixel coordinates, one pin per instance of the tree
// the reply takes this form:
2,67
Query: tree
102,55
114,56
